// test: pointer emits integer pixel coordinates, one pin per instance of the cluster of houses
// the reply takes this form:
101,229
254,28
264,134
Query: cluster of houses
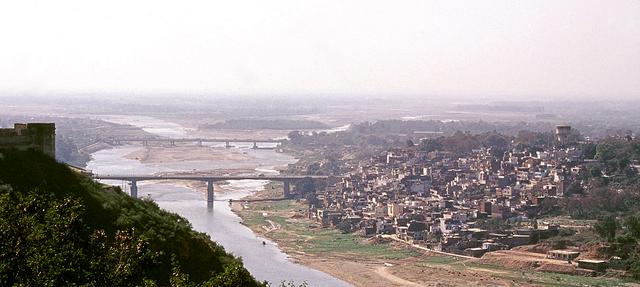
449,202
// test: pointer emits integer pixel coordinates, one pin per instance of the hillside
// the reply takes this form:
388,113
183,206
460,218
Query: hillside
58,228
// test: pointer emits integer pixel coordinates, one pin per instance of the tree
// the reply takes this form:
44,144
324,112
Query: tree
589,151
294,135
305,186
312,199
410,143
632,225
633,264
606,227
430,145
313,168
58,228
345,226
233,275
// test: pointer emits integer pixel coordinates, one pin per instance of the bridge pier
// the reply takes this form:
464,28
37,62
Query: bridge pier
145,143
199,142
255,145
227,144
172,143
134,189
210,194
210,180
286,189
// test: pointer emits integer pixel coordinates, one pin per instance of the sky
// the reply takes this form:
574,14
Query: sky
514,49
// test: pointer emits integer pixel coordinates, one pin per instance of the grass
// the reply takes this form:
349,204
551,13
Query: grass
305,236
439,260
539,278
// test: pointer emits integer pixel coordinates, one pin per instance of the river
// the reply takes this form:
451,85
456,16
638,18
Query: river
265,262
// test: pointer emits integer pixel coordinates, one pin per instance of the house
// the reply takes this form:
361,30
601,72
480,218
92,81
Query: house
563,254
475,252
595,265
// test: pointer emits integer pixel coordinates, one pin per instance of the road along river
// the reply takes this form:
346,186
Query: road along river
265,262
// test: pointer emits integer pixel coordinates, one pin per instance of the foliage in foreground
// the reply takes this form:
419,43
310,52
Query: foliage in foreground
58,228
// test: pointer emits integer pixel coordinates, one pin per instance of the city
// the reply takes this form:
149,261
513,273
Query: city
320,143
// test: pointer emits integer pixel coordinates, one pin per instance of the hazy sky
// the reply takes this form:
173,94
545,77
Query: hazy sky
544,48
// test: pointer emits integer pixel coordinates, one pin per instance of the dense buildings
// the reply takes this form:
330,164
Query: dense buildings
38,136
455,202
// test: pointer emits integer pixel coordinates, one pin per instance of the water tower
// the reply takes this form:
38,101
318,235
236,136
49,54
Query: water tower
562,134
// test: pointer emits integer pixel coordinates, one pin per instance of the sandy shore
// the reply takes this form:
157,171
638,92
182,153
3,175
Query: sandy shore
159,154
156,154
359,269
362,264
372,271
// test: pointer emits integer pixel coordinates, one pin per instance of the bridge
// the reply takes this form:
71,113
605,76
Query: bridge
134,179
199,141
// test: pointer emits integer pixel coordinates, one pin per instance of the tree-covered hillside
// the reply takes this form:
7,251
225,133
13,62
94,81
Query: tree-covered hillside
58,228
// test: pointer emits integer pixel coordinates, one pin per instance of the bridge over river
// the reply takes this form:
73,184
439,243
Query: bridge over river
198,141
134,179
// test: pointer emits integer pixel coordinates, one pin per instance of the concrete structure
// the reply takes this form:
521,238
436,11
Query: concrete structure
562,254
562,134
37,136
134,179
198,141
591,264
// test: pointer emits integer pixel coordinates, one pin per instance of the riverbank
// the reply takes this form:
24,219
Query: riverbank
380,262
159,154
264,261
345,256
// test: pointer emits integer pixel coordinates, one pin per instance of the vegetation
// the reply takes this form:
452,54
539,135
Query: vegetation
58,228
67,150
334,153
302,235
611,185
606,188
624,238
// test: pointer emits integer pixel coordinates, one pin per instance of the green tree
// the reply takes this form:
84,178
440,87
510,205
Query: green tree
606,227
305,186
58,228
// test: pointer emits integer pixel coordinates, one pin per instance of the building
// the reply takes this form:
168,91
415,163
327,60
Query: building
562,254
562,134
37,136
595,265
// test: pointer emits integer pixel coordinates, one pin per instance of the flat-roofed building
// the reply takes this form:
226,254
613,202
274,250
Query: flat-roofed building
563,254
591,264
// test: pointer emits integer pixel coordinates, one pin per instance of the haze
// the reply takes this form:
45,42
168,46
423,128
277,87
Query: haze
519,49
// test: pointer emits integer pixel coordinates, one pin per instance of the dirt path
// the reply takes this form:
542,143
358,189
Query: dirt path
427,249
382,271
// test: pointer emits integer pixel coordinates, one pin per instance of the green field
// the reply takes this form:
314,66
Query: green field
304,236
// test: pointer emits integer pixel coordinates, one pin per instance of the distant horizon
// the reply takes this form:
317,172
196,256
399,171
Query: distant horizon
449,98
523,49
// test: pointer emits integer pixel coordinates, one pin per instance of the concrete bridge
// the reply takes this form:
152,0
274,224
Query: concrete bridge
134,179
198,141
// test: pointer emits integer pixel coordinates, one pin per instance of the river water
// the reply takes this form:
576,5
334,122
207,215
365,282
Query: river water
265,262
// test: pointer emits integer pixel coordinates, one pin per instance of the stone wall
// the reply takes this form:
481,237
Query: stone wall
38,136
